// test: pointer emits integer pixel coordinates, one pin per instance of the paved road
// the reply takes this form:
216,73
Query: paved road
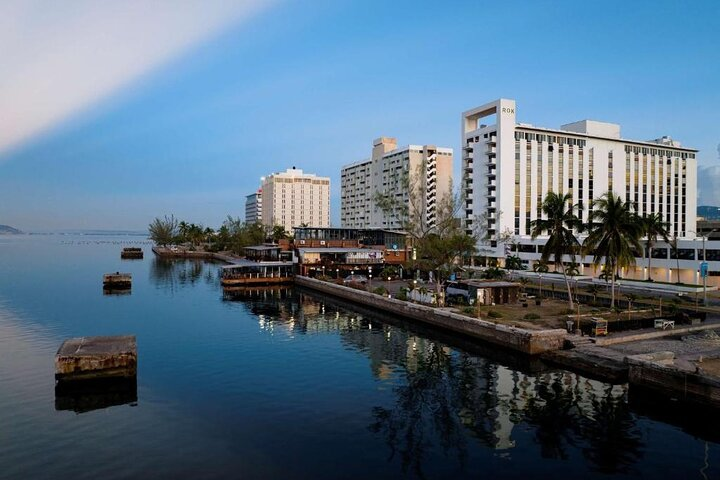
689,298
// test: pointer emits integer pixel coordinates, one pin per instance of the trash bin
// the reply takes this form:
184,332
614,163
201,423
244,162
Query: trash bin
569,325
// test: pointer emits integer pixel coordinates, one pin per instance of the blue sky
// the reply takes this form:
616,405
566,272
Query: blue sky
310,84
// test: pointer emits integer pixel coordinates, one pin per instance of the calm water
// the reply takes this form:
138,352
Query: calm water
290,385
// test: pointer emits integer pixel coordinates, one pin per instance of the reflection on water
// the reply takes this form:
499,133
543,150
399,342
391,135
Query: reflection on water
85,396
172,274
282,383
451,400
117,291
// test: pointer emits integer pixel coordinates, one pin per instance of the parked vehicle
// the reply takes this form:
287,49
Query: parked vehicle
355,278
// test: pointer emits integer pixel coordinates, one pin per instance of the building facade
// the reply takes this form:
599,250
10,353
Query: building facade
253,207
413,174
293,198
509,167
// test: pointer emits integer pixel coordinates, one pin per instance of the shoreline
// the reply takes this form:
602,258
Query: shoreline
530,342
163,252
668,376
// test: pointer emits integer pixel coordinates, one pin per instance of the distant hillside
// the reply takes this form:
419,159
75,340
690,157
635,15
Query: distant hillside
708,212
8,230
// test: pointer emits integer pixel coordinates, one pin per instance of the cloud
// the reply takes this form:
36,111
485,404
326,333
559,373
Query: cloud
709,185
58,58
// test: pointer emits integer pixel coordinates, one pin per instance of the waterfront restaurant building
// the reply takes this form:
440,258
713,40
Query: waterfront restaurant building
293,198
428,169
509,167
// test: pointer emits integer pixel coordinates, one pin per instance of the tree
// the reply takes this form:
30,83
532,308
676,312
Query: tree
513,262
593,290
540,268
183,229
560,224
631,297
163,231
652,228
614,235
675,252
279,233
436,234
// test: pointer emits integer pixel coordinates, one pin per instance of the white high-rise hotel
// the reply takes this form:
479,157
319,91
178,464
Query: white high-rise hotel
293,198
509,167
429,173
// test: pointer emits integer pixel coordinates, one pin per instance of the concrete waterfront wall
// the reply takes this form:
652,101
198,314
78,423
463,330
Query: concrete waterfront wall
670,381
167,253
531,342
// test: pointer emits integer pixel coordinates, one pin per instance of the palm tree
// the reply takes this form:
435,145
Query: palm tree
631,297
675,251
540,268
614,235
183,229
513,262
653,227
560,224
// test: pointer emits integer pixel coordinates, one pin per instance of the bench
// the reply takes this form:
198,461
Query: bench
664,324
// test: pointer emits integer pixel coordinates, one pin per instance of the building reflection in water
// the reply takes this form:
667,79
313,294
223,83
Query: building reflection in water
446,395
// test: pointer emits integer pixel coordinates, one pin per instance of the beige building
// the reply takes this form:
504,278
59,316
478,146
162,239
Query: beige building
428,170
293,198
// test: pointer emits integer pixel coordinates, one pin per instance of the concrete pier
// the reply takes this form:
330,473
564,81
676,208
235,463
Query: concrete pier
131,253
530,342
92,358
117,280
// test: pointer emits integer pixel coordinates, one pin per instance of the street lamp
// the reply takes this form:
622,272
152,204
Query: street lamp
704,236
705,272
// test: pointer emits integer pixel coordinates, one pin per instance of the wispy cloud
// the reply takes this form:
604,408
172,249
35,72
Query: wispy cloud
57,58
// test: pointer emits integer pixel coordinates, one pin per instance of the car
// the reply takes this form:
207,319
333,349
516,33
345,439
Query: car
356,279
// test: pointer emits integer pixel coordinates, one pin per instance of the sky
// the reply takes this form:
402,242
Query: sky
113,113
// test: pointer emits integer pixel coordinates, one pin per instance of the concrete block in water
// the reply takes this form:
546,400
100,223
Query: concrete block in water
87,358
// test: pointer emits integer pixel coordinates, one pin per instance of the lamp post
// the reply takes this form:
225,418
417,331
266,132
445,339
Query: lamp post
370,277
706,268
704,261
337,273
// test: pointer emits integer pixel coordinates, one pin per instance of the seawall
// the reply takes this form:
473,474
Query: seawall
167,253
531,342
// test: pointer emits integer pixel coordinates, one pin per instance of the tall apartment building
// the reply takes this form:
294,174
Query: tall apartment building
253,207
509,167
293,198
428,167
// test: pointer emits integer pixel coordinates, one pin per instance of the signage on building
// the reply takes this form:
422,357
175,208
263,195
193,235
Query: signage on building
704,269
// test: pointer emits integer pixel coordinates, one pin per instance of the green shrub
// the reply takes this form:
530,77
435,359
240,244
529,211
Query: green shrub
469,310
402,294
494,314
458,300
531,316
380,291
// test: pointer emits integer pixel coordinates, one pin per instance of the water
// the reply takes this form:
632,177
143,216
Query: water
284,384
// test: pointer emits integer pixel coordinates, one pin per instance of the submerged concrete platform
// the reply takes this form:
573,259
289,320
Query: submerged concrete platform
92,358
